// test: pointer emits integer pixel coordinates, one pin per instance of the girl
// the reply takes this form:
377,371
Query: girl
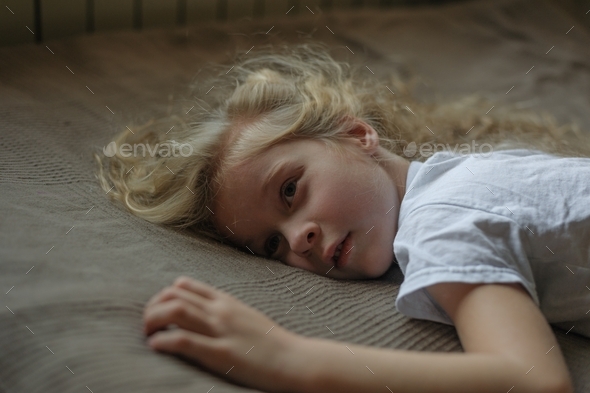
304,161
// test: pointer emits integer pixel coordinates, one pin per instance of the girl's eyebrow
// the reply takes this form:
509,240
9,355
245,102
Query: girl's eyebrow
248,243
278,167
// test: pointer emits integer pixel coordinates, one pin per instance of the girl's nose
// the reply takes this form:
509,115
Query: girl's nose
304,239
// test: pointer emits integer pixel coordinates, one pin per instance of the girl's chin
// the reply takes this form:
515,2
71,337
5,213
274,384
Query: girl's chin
379,270
365,275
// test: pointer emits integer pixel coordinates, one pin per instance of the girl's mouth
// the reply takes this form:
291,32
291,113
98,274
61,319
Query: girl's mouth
342,252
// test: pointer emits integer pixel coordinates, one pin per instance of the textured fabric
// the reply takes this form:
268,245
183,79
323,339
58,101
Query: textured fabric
516,216
77,270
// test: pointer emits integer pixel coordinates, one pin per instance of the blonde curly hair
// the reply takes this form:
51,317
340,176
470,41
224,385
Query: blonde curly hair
276,94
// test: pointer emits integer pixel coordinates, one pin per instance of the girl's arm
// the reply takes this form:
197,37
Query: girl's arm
508,343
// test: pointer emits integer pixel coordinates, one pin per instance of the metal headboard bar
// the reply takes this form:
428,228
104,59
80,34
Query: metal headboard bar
221,10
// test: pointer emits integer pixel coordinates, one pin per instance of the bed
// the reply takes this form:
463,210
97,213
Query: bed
76,270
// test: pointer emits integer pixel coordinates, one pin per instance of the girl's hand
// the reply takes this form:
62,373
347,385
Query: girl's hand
221,333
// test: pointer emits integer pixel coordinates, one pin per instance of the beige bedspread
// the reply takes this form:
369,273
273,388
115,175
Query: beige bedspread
76,271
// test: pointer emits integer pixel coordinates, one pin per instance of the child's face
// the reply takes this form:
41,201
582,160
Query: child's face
324,198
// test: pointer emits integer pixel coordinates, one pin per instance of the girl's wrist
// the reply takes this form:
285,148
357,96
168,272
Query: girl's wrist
295,364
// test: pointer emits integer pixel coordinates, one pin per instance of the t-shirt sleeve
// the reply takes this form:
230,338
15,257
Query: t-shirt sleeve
448,243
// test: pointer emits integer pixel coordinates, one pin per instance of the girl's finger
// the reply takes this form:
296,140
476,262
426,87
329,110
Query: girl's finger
189,344
170,293
177,312
198,287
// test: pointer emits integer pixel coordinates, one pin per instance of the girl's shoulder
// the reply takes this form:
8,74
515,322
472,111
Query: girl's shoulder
489,153
513,159
519,178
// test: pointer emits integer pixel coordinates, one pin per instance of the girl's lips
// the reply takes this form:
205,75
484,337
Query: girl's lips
345,252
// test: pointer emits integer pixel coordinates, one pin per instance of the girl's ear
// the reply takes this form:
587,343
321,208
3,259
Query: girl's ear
364,135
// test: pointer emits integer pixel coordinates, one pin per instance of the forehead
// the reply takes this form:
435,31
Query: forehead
254,172
240,204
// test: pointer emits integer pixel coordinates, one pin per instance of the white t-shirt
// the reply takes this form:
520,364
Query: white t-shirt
515,216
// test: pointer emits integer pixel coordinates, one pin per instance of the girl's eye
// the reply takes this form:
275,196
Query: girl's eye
288,189
273,245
